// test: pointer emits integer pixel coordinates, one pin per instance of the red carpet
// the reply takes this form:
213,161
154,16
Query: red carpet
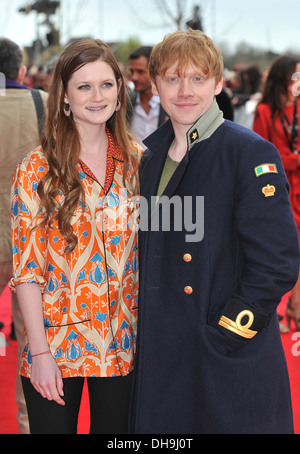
8,370
8,366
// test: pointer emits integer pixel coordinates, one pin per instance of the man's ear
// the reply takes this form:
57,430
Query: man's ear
154,89
219,87
21,74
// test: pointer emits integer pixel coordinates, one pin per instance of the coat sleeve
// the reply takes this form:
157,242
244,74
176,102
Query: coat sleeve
268,242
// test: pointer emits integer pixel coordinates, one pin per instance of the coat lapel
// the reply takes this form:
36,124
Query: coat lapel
153,162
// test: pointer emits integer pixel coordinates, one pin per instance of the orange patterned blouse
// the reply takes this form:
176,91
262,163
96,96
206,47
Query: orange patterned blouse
90,295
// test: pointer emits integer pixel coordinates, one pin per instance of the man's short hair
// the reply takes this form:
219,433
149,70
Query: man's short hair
144,51
190,47
11,58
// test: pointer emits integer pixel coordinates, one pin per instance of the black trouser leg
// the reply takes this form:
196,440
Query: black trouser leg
109,403
47,417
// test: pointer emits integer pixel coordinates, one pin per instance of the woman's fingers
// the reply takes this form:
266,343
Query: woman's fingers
49,385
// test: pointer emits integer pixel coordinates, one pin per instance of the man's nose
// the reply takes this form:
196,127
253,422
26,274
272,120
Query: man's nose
185,88
133,76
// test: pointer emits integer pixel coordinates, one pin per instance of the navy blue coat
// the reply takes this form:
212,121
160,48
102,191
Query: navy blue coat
204,365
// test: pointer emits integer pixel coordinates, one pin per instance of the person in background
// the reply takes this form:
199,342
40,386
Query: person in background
75,251
49,70
218,248
247,96
147,114
277,119
19,132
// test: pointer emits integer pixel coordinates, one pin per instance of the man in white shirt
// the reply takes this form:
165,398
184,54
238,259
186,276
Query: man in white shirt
147,114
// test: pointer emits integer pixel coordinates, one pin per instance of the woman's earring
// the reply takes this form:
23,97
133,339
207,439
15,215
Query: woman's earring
118,105
67,110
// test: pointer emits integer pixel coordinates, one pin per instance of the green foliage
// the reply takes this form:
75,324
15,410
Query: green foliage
124,49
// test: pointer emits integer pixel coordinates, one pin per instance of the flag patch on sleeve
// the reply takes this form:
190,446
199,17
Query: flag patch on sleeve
265,168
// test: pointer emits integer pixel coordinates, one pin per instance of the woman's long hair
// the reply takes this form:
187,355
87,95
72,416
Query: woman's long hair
276,88
61,141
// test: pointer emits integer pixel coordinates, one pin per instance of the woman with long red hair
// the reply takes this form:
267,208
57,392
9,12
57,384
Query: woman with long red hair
75,248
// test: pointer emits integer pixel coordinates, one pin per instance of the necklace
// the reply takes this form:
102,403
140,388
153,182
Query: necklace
113,153
291,131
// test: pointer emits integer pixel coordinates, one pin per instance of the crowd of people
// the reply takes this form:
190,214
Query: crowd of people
144,314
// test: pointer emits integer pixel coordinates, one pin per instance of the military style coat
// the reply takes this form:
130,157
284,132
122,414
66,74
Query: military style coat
209,354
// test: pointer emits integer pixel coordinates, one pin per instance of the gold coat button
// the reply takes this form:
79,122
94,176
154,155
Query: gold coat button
188,290
187,258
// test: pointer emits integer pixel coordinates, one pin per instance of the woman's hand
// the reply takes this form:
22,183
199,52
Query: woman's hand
46,378
45,373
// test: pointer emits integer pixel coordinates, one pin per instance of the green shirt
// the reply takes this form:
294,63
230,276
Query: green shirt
169,169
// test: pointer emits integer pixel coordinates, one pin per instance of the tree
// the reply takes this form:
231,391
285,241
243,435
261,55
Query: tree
176,17
173,13
47,7
124,50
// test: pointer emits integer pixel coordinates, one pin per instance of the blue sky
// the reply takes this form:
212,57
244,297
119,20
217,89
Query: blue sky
269,24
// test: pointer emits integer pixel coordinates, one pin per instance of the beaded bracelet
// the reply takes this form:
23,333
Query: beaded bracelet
39,354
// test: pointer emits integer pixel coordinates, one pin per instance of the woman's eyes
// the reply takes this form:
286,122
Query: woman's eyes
107,84
87,86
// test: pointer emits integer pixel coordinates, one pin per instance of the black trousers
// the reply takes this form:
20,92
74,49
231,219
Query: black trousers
109,403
